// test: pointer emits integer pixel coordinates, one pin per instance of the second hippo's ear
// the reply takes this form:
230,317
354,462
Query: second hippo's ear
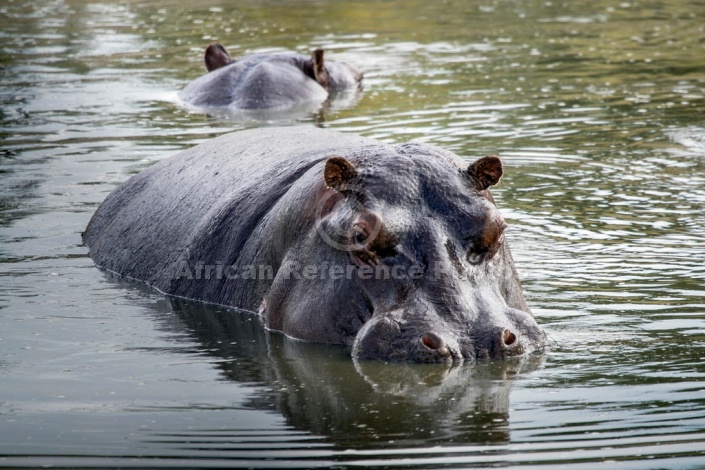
486,172
216,57
320,73
338,173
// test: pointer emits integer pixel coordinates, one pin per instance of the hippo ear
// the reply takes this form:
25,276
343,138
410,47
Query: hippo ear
486,171
320,73
216,57
338,172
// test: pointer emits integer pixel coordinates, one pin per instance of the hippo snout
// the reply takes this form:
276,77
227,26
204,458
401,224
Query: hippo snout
392,337
499,343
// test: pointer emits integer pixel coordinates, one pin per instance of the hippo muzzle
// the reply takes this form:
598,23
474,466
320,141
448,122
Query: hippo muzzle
400,336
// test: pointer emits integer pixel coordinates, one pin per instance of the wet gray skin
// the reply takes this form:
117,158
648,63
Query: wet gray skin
267,81
397,252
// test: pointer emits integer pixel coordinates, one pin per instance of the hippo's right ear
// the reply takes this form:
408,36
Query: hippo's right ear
320,73
486,172
338,173
216,57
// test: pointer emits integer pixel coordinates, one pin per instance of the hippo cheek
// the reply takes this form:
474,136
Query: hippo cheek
530,336
389,338
517,335
379,339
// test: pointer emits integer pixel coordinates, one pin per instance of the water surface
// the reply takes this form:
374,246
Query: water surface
598,109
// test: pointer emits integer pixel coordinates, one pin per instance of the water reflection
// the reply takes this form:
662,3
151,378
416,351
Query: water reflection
320,389
308,111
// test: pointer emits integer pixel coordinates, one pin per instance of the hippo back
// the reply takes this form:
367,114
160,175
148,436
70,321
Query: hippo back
258,81
204,205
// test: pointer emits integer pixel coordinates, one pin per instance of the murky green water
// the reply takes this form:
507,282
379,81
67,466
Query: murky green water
598,108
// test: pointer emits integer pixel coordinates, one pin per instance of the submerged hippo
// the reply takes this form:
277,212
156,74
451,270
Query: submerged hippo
267,81
396,251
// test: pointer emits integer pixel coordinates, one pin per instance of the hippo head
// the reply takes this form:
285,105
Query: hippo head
428,244
331,75
342,75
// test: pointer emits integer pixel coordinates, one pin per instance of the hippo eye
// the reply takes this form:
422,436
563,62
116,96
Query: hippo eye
359,235
485,245
372,242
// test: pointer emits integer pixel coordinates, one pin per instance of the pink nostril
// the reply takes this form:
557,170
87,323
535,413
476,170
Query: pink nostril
508,337
431,341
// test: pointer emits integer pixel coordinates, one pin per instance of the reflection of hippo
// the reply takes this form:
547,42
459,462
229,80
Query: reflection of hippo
363,404
267,81
397,252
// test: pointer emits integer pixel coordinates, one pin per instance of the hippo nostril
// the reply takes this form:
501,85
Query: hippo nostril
508,337
434,348
431,341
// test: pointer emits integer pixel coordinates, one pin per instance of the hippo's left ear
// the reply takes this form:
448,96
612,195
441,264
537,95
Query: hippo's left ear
486,172
338,172
216,57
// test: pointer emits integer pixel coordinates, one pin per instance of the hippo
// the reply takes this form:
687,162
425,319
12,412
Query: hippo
397,252
267,81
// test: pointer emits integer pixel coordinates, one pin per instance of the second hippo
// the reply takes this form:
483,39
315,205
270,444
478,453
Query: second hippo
267,81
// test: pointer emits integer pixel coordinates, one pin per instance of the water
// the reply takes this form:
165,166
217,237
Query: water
598,110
